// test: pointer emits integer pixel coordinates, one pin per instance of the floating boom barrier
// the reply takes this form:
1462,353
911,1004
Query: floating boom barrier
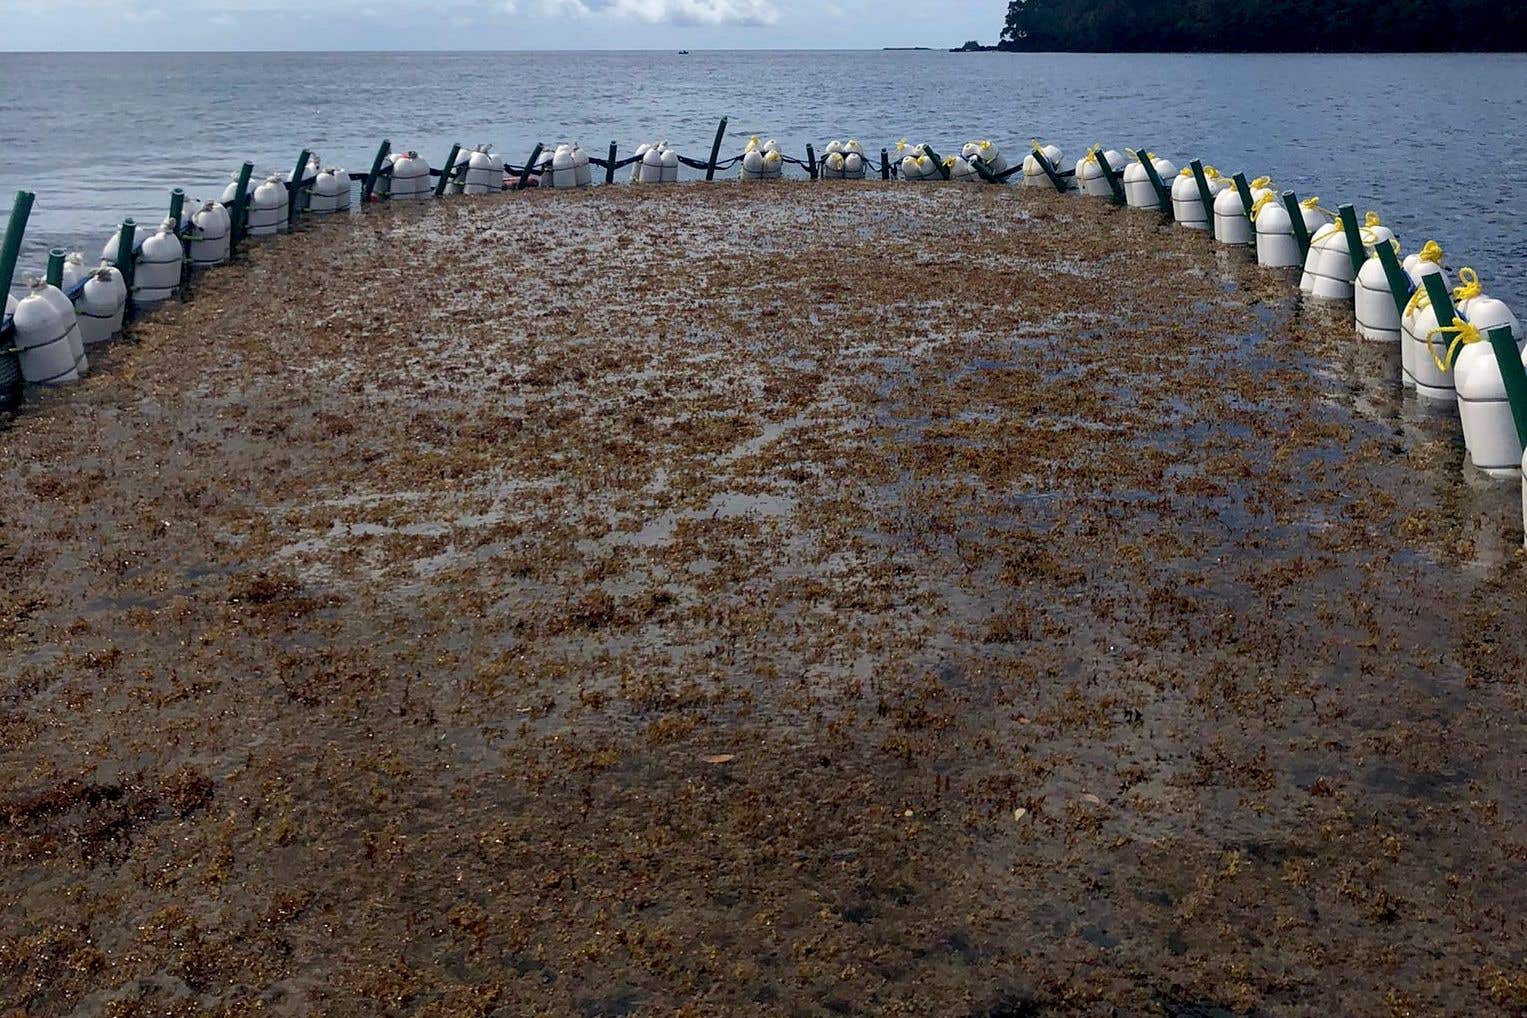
1459,346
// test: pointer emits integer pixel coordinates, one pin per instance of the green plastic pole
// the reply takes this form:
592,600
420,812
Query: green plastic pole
369,186
1044,164
938,161
1442,301
10,250
177,205
448,170
1296,223
985,174
1511,371
1399,283
125,260
1203,191
609,170
1163,193
1355,247
240,209
294,189
811,161
715,150
535,154
885,164
1244,190
55,273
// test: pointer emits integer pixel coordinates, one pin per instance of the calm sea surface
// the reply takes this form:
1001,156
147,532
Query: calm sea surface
1436,144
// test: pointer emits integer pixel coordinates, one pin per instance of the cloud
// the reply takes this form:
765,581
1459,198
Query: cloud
697,12
547,8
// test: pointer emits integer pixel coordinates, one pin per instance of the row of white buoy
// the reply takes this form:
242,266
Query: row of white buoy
843,160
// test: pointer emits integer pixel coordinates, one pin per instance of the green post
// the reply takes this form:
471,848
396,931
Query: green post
240,216
177,205
369,186
1355,247
1296,223
1111,175
1163,193
1512,373
938,161
715,150
1044,164
448,170
1244,190
987,175
535,154
294,189
1442,301
811,161
1203,191
609,170
1399,283
885,164
125,261
10,250
55,273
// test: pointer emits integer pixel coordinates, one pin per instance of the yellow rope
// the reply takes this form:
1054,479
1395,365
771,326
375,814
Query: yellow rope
1261,203
1313,204
1431,252
1261,182
1372,219
1463,334
1470,288
1418,300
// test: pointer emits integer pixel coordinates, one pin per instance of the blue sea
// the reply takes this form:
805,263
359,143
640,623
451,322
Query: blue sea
1436,144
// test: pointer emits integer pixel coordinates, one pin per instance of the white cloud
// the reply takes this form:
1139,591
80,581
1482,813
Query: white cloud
698,12
547,8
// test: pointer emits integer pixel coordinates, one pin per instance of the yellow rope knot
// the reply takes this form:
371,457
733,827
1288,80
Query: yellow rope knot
1431,252
1261,203
1372,220
1418,300
1261,182
1313,205
1210,173
1471,287
1463,334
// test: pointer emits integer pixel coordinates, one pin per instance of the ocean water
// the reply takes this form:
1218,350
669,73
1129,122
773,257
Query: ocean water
1437,144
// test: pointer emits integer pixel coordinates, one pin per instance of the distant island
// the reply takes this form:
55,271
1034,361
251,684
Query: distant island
1261,26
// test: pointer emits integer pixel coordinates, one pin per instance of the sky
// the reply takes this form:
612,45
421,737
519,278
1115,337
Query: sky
495,24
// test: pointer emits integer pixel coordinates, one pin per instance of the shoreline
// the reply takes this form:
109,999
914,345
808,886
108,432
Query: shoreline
762,598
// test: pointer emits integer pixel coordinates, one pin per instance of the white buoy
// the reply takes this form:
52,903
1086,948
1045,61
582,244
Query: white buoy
761,161
1232,220
961,170
210,231
156,269
1328,272
988,153
1187,202
485,171
1417,266
1277,248
1489,429
267,208
331,191
76,339
75,270
100,305
1089,172
42,337
1139,192
410,177
1034,175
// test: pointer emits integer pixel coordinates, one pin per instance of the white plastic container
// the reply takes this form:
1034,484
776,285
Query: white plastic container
76,339
156,269
1089,173
761,161
961,170
1277,248
1231,224
1328,272
485,172
267,208
210,231
331,191
1034,174
410,178
100,305
1417,268
42,337
1433,381
1489,430
1139,192
1187,202
988,153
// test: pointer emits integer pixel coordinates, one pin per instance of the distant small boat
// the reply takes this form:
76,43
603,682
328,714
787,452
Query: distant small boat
683,52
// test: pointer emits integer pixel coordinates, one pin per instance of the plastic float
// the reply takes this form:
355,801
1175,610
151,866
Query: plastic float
409,180
1232,213
1433,312
1278,246
101,303
843,161
301,190
1417,266
54,294
1034,174
1139,189
1090,178
960,169
761,161
1484,406
566,166
42,336
915,163
330,192
1188,201
657,164
484,171
267,208
156,266
211,232
1329,269
987,154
